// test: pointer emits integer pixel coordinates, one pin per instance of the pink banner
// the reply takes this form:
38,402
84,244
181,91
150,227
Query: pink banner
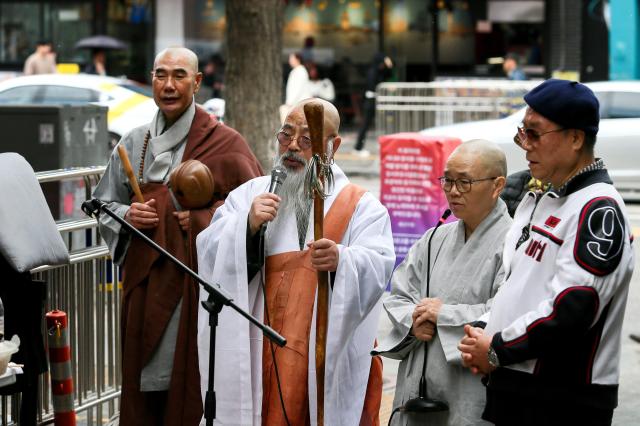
410,166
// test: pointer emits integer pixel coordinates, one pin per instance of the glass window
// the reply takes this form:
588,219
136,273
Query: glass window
132,22
70,22
19,30
22,95
70,95
24,23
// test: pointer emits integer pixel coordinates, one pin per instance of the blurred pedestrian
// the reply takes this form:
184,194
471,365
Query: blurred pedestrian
41,61
512,68
306,54
213,76
320,87
379,71
98,64
160,379
463,274
297,85
550,344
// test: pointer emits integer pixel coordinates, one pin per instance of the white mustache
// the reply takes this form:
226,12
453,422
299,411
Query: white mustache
292,156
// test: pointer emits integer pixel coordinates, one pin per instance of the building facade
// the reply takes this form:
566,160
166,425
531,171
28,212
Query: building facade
468,35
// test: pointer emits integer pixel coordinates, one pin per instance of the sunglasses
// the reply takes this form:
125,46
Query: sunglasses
529,135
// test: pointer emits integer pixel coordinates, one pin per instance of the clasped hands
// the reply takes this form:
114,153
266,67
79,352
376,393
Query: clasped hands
324,252
425,318
145,216
474,348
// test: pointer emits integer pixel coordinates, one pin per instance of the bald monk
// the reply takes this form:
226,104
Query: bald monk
160,384
358,252
465,271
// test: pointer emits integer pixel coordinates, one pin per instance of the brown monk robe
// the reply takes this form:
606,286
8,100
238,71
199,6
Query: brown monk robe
291,290
153,286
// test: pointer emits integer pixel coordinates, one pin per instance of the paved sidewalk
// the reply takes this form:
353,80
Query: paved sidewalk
354,164
389,371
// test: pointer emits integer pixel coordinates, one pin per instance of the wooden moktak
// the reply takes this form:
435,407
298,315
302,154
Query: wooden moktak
314,113
191,182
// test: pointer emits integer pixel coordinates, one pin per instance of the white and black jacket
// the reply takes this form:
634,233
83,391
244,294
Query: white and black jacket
558,317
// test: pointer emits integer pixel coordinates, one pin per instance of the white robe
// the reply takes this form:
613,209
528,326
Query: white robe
465,275
365,264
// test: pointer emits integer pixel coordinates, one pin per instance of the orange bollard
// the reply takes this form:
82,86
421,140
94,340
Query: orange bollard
60,369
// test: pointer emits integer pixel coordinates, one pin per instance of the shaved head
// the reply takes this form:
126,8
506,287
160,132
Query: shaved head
331,115
175,81
179,52
475,174
487,154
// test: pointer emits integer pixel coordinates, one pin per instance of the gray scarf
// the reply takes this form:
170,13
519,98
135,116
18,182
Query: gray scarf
165,143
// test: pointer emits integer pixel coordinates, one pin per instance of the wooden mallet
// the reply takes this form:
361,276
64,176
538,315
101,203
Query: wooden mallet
126,164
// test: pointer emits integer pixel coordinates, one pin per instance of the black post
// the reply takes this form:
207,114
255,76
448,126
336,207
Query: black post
100,17
435,34
381,26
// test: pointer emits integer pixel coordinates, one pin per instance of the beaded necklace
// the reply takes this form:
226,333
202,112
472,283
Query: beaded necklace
143,155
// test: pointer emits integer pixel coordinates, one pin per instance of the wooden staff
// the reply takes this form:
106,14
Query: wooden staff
126,164
314,113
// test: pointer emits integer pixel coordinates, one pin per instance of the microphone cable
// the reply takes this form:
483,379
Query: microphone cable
445,216
262,261
393,413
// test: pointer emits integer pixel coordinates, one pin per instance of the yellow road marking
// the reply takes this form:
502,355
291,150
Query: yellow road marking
125,105
107,87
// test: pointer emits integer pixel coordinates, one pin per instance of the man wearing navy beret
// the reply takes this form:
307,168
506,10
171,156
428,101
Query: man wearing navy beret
550,346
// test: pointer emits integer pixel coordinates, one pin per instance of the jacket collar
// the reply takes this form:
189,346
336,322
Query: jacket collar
592,174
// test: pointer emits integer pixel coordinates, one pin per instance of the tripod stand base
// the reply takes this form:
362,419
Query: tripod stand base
424,405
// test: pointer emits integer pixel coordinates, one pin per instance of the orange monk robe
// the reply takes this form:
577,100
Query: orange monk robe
365,264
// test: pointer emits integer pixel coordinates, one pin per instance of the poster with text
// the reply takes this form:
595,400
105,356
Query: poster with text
410,165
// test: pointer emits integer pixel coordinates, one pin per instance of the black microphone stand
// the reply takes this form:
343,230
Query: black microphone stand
424,404
217,299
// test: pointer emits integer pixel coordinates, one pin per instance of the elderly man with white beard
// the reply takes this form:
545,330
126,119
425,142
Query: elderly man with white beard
357,250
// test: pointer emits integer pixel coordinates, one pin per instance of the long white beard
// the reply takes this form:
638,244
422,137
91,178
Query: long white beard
294,201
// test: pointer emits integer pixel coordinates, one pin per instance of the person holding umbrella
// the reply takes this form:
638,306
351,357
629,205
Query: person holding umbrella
99,44
98,63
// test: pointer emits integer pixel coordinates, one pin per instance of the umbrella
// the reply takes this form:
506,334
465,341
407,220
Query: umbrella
102,42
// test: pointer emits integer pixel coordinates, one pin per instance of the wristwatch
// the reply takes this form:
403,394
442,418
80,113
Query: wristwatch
492,356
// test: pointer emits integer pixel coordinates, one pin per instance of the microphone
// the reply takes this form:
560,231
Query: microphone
92,207
424,404
278,175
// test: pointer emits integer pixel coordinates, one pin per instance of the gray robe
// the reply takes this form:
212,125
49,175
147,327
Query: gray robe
164,153
465,276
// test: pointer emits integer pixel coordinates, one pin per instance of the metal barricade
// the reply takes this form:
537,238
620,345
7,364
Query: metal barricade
89,290
411,107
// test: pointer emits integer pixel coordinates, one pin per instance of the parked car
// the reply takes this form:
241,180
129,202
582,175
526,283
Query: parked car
130,103
618,141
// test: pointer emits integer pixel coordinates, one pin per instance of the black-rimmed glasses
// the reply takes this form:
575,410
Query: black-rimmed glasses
462,185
